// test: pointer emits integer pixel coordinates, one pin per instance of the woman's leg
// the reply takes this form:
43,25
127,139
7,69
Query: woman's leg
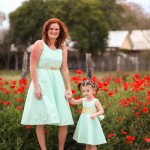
62,134
40,132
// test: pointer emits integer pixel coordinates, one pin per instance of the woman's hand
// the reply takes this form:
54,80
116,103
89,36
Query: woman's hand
38,93
68,94
64,46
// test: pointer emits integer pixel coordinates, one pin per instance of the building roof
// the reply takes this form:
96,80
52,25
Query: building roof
117,38
140,39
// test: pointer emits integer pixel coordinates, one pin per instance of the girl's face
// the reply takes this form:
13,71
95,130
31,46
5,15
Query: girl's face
53,31
87,91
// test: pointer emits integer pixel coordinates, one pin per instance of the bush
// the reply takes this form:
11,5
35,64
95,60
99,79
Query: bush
126,101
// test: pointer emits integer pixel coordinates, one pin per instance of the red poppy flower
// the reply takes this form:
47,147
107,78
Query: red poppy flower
19,100
148,98
14,82
123,132
148,92
117,80
12,86
19,108
129,139
110,135
137,114
22,81
78,71
120,119
70,104
8,103
84,78
28,127
110,93
78,97
147,140
73,91
145,110
94,79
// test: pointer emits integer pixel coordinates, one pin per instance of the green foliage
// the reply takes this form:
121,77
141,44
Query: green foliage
88,21
118,118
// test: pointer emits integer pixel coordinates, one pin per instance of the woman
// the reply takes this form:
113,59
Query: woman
45,102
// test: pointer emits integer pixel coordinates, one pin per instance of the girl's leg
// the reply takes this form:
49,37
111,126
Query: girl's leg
93,147
62,134
40,132
87,147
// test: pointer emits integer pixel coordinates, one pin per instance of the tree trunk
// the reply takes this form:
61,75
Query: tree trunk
24,65
89,66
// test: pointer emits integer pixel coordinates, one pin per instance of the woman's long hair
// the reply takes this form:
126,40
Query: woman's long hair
62,35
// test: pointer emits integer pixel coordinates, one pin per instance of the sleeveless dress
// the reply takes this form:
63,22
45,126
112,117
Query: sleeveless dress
89,131
52,108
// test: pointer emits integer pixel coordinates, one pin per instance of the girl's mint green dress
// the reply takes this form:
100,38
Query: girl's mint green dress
52,108
89,131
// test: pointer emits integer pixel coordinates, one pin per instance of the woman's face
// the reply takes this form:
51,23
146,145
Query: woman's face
53,31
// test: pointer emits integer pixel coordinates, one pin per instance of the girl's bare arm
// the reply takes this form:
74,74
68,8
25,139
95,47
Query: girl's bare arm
73,101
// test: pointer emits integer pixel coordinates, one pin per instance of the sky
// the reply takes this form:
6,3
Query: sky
8,6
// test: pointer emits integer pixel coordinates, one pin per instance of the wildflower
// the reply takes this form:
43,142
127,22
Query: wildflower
148,98
110,135
19,100
70,104
110,93
137,114
120,119
129,139
28,127
78,71
84,78
117,80
145,110
123,132
23,81
19,108
8,103
73,91
94,78
147,140
12,86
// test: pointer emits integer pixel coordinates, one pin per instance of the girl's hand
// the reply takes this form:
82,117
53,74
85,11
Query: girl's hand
93,116
38,93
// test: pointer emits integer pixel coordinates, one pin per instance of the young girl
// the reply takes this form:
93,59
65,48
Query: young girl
88,128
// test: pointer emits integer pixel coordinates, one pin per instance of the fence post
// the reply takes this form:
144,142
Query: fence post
89,66
24,65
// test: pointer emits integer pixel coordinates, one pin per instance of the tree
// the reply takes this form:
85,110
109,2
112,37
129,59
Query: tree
137,18
88,21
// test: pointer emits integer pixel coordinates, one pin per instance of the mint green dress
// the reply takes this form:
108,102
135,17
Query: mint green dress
52,108
89,131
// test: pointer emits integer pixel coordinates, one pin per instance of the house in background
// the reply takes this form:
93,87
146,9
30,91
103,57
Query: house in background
140,40
128,47
119,40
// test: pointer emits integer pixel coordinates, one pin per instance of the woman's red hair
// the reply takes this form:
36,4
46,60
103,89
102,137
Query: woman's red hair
62,35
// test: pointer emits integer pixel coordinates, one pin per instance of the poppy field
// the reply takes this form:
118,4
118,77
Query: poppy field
124,96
